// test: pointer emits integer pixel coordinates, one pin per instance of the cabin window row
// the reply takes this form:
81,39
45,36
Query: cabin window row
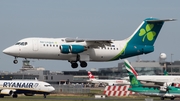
109,48
50,45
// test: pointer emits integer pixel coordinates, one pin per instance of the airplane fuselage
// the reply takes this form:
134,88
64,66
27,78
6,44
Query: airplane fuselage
49,48
110,82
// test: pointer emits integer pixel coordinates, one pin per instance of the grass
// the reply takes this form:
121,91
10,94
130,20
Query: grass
72,97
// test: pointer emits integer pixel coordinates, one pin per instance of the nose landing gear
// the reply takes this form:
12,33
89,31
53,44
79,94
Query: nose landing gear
15,61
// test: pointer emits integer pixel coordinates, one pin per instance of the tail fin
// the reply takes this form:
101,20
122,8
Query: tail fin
130,68
90,75
143,39
165,72
132,76
147,32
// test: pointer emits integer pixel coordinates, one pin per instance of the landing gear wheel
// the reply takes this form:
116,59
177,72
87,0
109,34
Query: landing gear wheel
74,65
14,95
162,98
1,96
44,95
172,98
83,64
15,61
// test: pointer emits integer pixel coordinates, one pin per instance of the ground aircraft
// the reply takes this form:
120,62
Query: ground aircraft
165,91
157,79
26,87
84,50
92,79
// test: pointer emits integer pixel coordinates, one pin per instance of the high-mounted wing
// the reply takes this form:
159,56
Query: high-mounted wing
91,42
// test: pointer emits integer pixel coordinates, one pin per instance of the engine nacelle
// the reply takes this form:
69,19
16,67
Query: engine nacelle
29,94
163,88
77,49
64,49
74,49
6,92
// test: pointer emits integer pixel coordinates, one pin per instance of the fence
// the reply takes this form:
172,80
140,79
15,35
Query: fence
70,89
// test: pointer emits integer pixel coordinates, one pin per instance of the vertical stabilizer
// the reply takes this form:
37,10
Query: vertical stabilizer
91,76
132,74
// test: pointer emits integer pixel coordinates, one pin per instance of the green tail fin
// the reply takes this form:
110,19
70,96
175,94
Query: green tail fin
144,37
147,32
165,72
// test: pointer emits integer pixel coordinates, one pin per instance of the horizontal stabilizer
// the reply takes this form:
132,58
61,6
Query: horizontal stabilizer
160,20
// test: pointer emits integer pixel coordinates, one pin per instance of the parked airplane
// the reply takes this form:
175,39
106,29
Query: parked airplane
157,79
165,91
109,82
26,87
83,50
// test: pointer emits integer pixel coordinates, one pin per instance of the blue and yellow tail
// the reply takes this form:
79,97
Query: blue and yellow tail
144,37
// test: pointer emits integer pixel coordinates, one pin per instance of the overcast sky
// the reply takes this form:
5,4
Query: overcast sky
94,19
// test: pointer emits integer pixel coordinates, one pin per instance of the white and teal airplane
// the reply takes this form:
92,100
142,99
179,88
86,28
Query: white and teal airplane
26,87
83,50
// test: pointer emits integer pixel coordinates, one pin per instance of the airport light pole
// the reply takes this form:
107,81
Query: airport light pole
171,63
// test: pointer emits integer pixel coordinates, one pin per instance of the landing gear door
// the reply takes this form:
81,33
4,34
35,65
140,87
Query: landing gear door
35,44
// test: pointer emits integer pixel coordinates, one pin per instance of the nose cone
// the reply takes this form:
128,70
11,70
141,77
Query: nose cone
11,51
52,89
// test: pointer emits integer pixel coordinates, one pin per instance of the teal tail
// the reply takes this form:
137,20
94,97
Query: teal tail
132,76
144,37
165,72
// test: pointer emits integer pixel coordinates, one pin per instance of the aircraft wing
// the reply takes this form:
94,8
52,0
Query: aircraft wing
91,42
160,83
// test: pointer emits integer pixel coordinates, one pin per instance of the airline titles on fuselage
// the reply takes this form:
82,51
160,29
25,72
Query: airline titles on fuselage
20,84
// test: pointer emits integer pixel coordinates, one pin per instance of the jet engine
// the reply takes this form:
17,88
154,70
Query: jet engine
75,49
64,49
163,88
6,92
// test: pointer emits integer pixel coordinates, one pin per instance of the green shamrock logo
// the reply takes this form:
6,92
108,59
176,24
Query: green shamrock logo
147,32
134,81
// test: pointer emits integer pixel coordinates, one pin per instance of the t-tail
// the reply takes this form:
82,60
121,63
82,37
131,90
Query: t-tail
90,75
143,39
132,75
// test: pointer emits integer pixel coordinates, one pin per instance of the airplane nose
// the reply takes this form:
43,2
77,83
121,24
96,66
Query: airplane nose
52,89
11,51
6,51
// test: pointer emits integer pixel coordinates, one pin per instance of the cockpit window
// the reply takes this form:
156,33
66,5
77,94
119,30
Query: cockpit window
17,43
47,85
21,43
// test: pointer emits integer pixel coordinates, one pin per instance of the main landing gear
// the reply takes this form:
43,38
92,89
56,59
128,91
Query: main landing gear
82,64
44,95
